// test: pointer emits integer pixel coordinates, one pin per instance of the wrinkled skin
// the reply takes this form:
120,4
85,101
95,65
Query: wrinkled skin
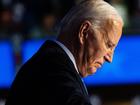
97,46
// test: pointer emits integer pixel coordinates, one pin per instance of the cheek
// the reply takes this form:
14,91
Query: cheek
101,51
92,58
98,50
97,55
93,51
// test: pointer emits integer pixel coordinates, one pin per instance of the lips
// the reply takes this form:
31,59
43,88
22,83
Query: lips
92,70
94,66
98,65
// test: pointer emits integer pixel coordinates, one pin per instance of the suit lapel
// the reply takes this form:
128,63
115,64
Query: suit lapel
67,60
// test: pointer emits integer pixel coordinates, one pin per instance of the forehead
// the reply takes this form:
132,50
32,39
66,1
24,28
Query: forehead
114,32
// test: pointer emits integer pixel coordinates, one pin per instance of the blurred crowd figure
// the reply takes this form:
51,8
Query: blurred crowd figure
32,18
5,23
46,28
22,20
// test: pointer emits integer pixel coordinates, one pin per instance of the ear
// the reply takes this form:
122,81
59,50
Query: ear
83,31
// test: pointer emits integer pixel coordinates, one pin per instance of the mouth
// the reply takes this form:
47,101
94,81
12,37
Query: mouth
99,65
93,68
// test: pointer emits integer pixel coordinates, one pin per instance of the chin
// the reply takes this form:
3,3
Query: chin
85,74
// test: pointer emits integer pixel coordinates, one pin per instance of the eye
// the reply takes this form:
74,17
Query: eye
110,45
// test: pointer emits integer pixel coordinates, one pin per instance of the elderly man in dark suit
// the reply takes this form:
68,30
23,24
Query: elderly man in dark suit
86,39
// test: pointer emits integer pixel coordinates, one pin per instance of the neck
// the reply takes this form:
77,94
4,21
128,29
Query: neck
73,45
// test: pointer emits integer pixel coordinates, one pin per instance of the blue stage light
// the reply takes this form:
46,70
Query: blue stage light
7,70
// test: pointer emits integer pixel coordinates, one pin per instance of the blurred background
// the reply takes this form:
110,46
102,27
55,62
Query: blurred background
26,24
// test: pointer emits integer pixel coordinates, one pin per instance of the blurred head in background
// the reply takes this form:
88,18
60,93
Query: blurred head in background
48,23
91,30
5,23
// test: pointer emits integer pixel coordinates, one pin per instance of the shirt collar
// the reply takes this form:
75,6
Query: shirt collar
72,59
68,53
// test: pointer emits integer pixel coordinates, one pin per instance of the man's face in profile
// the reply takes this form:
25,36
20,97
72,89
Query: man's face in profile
100,48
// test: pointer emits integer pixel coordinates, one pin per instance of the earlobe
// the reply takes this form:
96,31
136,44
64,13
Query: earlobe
83,31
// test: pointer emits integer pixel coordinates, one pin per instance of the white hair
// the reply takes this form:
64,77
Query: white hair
96,11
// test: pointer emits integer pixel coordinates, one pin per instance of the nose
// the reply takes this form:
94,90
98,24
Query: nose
109,57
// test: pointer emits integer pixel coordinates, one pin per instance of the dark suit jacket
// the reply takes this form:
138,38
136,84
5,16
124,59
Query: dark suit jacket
48,78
